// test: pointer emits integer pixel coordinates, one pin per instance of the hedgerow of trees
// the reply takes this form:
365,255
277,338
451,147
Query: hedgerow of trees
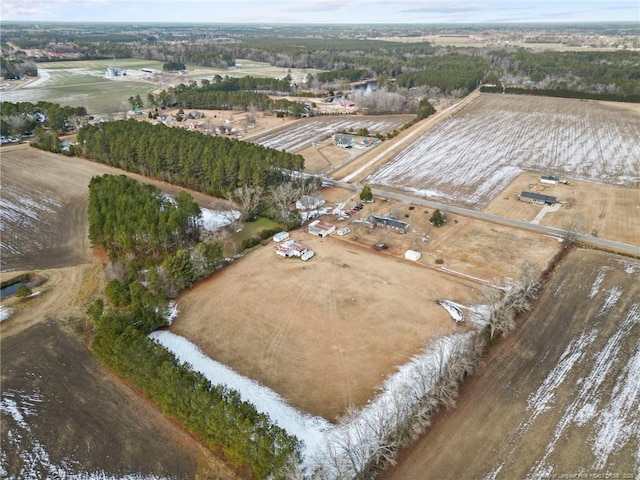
156,240
214,165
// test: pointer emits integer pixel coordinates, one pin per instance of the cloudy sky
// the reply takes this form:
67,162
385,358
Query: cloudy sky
321,11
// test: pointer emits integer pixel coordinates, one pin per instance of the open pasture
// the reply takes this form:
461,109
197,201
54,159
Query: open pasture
559,396
322,333
474,154
80,87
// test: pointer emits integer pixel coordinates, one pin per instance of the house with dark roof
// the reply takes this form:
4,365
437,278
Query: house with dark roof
391,223
536,198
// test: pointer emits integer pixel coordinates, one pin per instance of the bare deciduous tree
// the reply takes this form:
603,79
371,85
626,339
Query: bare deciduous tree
249,199
284,195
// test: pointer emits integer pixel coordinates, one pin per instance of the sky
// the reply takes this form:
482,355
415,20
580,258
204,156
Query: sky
322,11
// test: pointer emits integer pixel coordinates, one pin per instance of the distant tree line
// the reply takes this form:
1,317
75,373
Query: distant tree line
343,56
213,165
155,239
562,93
231,94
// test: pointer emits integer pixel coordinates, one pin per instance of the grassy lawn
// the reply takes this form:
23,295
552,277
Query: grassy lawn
249,230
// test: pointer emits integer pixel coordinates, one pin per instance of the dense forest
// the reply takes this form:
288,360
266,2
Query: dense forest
214,165
155,241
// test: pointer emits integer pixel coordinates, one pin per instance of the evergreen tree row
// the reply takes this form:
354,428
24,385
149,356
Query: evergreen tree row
214,413
127,217
213,165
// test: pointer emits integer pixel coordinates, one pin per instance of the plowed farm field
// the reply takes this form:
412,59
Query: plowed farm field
559,398
474,154
304,133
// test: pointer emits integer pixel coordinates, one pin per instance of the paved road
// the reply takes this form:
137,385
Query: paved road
557,232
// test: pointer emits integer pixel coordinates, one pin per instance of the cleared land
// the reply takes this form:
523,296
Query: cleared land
559,396
608,211
323,333
478,151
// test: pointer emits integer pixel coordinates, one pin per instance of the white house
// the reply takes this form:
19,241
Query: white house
310,203
549,179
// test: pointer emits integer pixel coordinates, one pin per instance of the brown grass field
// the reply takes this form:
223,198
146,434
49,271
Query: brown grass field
608,211
323,334
559,396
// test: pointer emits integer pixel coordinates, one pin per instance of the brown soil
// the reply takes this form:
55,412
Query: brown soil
492,432
85,420
608,211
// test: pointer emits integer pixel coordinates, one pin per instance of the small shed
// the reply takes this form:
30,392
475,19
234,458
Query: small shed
412,255
549,179
280,236
320,228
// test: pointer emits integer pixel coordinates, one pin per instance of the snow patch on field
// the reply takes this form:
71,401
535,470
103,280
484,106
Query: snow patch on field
305,133
398,395
619,420
612,298
5,312
615,419
16,408
595,287
542,399
474,162
212,220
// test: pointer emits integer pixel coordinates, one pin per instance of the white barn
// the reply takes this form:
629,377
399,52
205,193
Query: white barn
320,228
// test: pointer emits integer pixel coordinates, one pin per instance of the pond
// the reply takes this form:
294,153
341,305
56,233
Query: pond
12,288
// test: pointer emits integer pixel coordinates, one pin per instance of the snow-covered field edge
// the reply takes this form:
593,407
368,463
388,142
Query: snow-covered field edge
368,439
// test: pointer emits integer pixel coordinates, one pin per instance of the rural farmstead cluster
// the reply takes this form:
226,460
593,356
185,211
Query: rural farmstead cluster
427,188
